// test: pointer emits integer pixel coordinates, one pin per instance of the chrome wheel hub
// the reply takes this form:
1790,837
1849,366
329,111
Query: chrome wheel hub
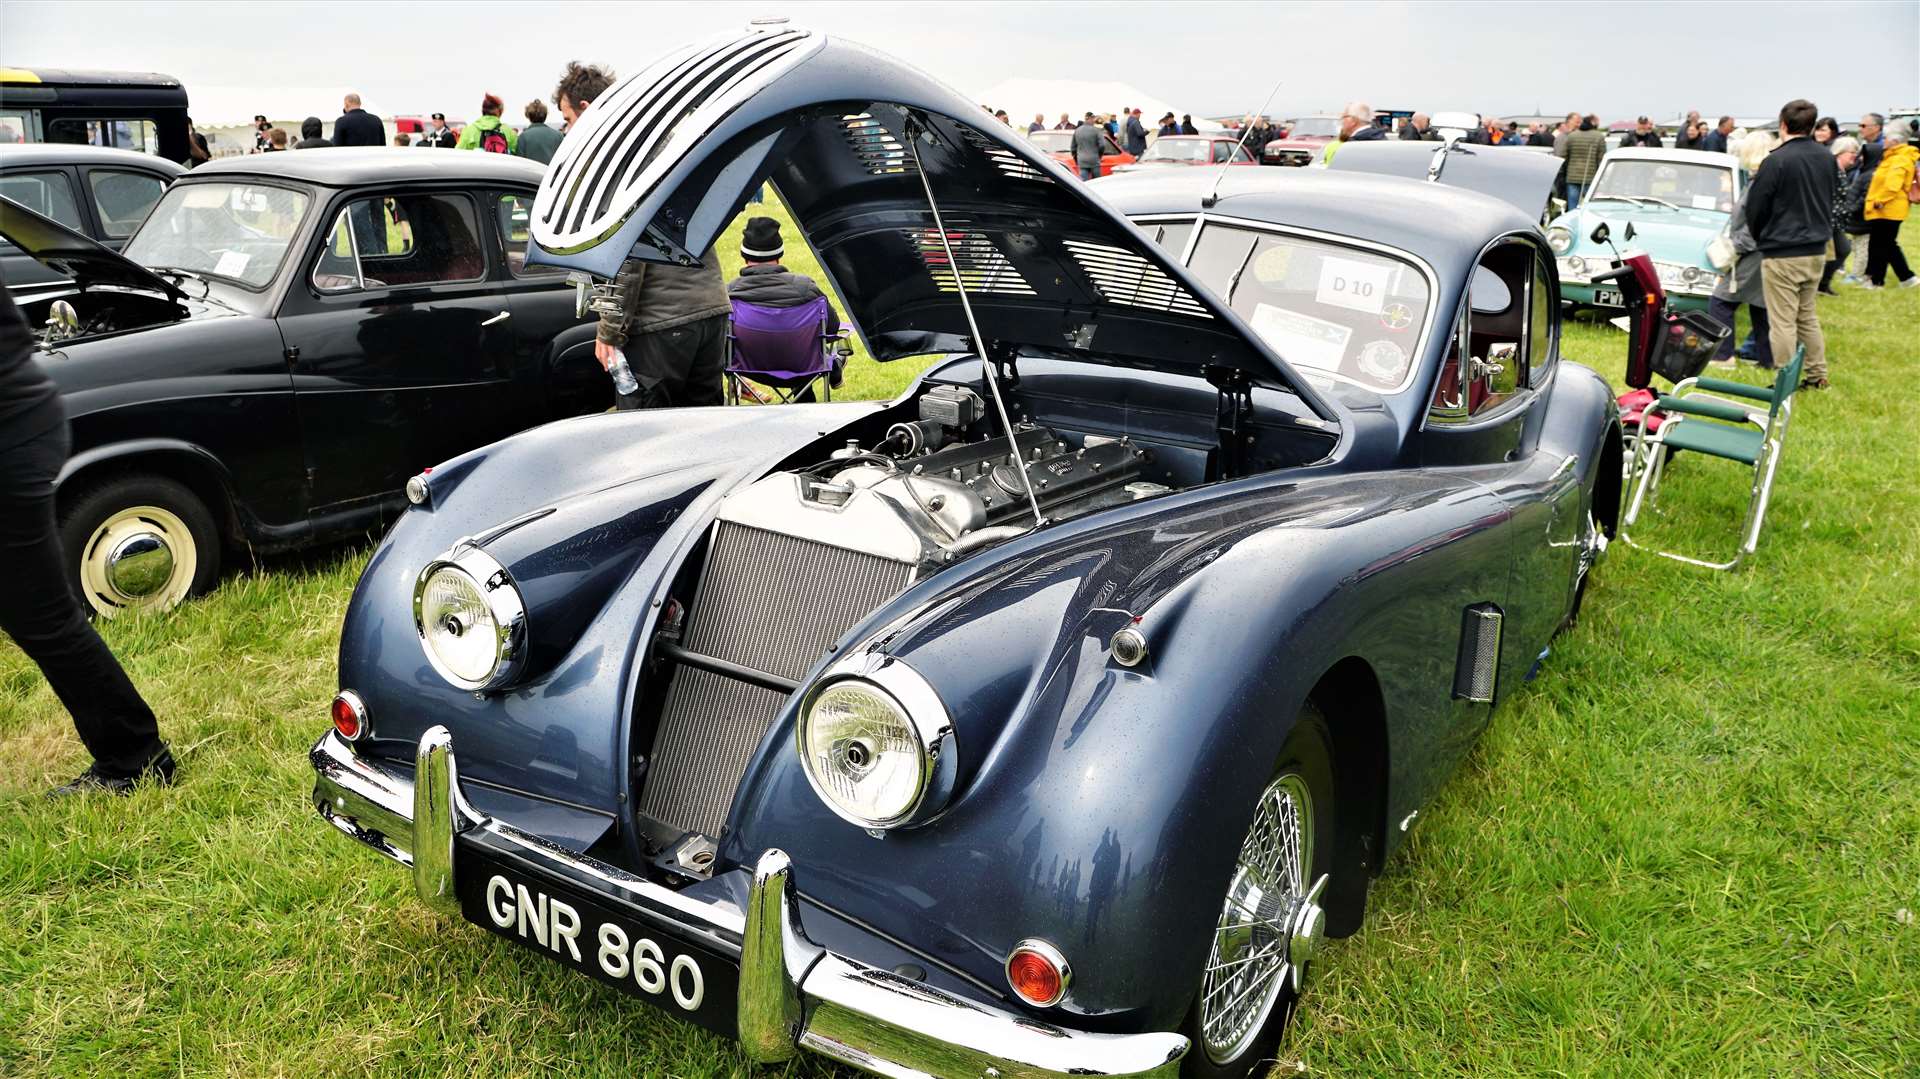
1270,926
140,565
141,557
1593,546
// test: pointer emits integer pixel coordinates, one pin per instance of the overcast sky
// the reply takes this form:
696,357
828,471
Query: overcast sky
1616,57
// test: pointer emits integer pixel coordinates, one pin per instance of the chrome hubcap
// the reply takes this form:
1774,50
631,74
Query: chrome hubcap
1270,926
140,565
1593,546
141,557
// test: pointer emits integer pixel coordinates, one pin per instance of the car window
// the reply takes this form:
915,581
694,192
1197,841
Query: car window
403,240
49,194
232,229
1242,154
1172,236
138,135
1221,152
122,199
1497,331
1356,314
13,127
1540,322
512,212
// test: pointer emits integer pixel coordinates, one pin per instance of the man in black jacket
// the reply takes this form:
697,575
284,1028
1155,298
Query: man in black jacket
1643,134
1789,209
357,126
37,607
310,135
766,283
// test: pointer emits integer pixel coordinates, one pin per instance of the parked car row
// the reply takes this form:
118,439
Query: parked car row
280,342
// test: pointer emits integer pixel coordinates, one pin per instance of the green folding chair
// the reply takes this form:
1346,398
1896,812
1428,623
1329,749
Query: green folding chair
1695,418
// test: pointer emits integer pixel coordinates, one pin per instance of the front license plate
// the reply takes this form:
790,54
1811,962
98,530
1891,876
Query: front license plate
1607,297
591,937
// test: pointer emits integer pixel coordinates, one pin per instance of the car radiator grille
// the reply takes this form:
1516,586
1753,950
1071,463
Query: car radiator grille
766,601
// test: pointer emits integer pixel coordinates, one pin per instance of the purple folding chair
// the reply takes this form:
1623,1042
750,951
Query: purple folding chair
785,349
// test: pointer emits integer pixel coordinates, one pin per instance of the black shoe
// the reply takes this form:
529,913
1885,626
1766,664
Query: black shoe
158,770
1829,290
1813,383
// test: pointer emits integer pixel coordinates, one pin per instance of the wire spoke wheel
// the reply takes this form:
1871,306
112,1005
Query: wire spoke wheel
1250,966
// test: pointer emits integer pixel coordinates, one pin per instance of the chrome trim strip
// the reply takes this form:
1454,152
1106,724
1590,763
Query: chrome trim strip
793,993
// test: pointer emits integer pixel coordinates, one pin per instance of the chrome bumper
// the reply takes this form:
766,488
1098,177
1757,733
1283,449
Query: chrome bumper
793,993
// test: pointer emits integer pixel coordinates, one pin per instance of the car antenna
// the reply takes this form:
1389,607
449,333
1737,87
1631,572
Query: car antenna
1213,193
913,132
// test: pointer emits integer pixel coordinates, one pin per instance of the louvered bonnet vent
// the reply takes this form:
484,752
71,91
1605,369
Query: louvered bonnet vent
635,133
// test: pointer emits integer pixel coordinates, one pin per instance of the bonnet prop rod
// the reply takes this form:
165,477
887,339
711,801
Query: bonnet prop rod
913,132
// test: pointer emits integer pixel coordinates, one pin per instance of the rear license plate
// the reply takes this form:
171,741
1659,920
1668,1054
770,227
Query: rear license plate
589,936
1606,297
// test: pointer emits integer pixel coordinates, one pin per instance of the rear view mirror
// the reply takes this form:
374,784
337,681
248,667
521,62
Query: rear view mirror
1629,232
1601,234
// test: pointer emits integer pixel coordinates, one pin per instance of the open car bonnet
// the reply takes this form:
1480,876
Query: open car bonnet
67,252
660,164
1523,178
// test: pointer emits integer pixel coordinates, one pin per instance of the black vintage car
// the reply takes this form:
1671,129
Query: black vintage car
284,341
101,192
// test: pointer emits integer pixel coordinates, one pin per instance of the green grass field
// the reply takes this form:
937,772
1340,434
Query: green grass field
1688,848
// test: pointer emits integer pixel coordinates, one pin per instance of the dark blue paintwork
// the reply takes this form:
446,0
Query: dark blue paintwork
1098,807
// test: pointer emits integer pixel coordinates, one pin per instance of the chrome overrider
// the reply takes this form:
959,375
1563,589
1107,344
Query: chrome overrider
794,994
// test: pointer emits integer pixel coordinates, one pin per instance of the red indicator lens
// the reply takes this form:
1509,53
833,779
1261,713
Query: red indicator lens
348,717
1034,977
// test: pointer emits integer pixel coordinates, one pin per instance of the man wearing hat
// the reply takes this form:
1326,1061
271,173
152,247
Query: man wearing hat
766,283
438,134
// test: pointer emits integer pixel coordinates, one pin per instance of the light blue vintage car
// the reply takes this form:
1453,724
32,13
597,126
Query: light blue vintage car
1676,200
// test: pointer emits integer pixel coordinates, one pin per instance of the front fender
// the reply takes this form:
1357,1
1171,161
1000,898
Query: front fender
1101,807
600,511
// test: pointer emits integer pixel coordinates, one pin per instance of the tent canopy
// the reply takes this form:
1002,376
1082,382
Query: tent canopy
1023,98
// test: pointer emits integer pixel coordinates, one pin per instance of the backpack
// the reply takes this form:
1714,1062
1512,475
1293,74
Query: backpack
494,140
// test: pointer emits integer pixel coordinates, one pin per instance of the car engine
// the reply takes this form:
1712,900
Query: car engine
932,491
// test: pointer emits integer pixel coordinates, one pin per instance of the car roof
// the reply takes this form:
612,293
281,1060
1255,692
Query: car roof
351,166
1447,226
23,154
1691,157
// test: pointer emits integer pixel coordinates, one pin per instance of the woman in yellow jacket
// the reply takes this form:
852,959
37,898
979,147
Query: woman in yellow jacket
1886,208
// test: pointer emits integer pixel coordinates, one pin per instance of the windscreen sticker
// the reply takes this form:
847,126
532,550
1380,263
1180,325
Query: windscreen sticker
1356,286
1301,339
1270,266
1706,202
1396,316
1383,361
232,263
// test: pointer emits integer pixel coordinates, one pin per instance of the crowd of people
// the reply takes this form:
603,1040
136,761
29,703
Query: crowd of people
491,133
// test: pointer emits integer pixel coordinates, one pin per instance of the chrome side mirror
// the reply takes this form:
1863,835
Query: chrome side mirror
63,322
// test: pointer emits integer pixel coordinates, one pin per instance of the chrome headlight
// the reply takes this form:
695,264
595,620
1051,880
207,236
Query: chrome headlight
1559,239
1577,264
471,619
876,743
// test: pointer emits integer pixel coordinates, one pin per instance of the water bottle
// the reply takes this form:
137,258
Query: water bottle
623,381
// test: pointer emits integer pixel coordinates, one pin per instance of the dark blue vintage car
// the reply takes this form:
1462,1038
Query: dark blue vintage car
1040,722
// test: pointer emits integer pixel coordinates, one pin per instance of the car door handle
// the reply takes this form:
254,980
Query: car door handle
497,319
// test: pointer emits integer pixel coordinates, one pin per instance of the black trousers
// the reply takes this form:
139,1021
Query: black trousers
1842,247
1883,251
677,367
39,610
1721,311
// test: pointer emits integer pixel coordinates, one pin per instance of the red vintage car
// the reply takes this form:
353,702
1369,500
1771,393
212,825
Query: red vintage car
1305,140
1059,144
1193,150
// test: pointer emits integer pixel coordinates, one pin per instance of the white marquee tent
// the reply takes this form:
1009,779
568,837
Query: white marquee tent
1023,98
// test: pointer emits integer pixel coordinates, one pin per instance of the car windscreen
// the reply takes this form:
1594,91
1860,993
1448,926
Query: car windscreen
239,231
1052,142
1677,184
1348,312
1185,151
1315,125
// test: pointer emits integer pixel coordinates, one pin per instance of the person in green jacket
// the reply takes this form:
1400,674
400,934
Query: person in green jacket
1583,149
489,132
538,141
